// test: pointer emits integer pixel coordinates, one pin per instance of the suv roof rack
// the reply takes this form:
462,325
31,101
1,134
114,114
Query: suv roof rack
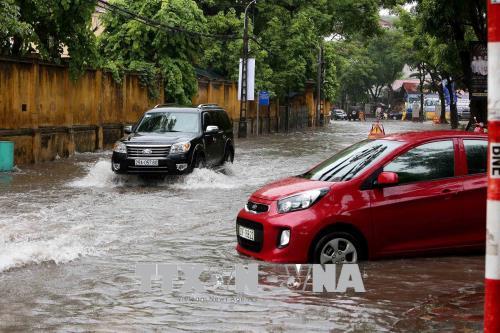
164,105
208,105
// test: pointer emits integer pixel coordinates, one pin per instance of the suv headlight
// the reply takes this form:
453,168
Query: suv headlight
300,201
120,147
181,147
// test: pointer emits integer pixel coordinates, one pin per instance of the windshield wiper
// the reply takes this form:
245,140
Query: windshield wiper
327,176
357,167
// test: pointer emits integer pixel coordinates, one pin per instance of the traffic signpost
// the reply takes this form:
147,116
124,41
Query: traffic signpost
263,100
492,272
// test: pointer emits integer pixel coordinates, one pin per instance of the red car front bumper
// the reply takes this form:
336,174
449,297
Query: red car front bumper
268,227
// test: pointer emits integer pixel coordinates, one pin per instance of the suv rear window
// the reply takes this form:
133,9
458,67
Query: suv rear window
476,152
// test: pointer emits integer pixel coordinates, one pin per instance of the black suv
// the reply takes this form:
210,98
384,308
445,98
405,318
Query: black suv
173,140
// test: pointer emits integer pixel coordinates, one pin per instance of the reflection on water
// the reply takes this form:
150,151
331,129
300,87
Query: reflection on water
71,233
5,178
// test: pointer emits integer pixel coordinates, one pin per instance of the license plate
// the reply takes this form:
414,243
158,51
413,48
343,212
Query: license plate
246,233
146,162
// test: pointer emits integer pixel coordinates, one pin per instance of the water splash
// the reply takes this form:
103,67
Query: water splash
59,250
208,178
99,176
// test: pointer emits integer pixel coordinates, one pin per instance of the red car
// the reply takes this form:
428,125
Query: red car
416,193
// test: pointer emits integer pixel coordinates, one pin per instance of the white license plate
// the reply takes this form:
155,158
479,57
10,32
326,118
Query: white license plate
146,162
246,233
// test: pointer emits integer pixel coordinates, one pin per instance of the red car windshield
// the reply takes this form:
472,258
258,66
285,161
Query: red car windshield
346,164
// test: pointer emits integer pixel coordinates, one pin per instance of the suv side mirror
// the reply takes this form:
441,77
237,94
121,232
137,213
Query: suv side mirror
211,129
127,129
387,178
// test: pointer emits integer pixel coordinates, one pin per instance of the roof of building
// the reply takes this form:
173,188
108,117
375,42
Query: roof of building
410,85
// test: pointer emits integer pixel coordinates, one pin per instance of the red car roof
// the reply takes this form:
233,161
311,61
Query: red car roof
429,135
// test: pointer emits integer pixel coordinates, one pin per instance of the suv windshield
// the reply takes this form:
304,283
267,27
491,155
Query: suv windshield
349,162
162,122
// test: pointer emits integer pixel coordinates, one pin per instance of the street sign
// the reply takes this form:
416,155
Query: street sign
264,98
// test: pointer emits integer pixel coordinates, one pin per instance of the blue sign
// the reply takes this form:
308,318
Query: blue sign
264,98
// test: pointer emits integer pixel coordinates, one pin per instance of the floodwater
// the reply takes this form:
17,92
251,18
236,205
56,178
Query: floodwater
71,233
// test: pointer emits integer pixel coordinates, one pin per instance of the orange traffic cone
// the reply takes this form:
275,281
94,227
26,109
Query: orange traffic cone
377,131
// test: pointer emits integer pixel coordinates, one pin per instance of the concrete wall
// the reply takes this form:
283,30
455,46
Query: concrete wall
47,114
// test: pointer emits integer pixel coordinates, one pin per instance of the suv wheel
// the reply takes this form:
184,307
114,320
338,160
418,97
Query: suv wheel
337,248
199,162
228,156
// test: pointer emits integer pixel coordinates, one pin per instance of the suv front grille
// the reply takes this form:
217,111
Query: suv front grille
256,208
136,151
254,246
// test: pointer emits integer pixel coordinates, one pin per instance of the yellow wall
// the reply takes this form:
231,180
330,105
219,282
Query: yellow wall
225,93
62,115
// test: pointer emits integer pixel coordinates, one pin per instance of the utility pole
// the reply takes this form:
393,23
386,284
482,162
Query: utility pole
319,80
492,271
242,126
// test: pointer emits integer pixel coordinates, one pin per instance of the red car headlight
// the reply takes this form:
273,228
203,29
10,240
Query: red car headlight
301,200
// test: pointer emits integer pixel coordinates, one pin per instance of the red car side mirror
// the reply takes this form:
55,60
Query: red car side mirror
387,178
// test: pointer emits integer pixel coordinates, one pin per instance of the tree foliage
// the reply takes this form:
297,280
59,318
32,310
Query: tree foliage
288,34
365,66
445,30
152,51
49,27
10,25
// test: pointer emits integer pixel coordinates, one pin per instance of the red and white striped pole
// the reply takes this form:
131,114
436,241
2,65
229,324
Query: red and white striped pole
492,275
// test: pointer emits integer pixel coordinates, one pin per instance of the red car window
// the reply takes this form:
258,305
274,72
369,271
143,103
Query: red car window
476,153
430,161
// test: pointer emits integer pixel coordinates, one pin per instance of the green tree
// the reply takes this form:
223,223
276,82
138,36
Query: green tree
156,50
453,25
10,25
366,66
287,35
56,26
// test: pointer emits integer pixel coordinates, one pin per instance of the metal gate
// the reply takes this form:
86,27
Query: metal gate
293,118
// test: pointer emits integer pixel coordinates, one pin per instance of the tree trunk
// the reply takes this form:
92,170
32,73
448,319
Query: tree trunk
442,100
453,105
16,46
477,109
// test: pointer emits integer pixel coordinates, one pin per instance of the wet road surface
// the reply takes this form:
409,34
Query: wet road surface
71,233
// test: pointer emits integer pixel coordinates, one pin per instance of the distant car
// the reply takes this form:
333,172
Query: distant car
408,194
353,114
396,115
175,140
337,114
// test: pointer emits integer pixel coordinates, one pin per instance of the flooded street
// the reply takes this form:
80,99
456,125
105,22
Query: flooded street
71,233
